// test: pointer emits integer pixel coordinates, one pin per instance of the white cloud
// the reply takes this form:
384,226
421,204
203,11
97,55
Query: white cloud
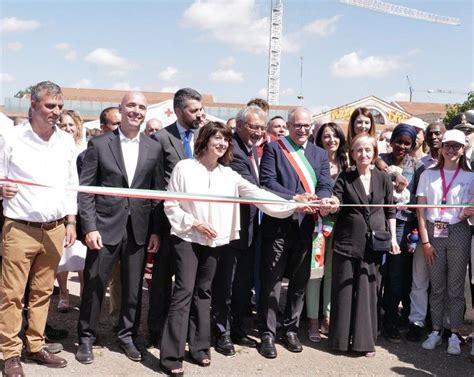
168,74
399,96
14,46
69,53
170,89
226,75
107,57
123,85
15,24
6,78
287,92
83,83
227,62
262,93
353,65
471,85
322,27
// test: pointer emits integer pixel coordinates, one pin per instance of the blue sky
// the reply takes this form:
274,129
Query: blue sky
219,47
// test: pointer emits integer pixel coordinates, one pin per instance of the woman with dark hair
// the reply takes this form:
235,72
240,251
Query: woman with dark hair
200,232
446,236
361,122
397,269
331,138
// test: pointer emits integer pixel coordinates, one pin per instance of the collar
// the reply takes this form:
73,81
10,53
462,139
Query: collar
123,138
181,129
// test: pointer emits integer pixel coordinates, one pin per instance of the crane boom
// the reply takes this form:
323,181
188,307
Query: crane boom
273,89
398,10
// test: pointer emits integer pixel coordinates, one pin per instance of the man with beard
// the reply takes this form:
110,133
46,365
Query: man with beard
177,143
234,274
421,279
118,227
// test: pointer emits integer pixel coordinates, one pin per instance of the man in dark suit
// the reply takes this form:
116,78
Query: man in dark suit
234,274
177,143
286,243
118,227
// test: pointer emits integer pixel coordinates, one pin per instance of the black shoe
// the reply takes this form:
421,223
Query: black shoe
291,342
392,334
224,345
414,333
244,341
84,353
267,347
131,351
52,334
153,340
53,347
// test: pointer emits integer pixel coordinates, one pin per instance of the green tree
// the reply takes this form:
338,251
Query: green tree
453,110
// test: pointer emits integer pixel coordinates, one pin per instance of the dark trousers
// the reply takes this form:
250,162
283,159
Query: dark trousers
289,255
232,289
97,271
398,275
160,289
189,312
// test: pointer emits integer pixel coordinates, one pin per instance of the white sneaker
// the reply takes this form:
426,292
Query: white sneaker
454,345
434,339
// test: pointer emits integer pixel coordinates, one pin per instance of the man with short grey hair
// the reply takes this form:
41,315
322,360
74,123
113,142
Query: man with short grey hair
153,126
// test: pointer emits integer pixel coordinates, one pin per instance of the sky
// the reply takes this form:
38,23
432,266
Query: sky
220,47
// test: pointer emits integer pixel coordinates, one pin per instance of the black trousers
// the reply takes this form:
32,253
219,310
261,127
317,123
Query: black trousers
160,289
97,271
189,312
289,255
231,289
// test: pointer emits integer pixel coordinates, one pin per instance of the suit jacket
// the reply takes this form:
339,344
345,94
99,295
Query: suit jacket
351,228
278,176
242,164
104,166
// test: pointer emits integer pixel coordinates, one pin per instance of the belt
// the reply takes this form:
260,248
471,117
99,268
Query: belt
46,225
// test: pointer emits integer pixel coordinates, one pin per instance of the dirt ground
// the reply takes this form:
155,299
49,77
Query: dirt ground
406,358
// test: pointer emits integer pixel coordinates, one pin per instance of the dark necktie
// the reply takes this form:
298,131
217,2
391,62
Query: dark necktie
187,144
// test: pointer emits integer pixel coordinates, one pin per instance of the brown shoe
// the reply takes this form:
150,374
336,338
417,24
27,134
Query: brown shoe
46,358
13,367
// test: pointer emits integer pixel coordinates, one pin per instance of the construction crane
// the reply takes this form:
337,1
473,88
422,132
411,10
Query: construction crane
431,91
276,20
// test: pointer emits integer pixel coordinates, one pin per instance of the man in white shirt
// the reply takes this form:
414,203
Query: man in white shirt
118,227
37,221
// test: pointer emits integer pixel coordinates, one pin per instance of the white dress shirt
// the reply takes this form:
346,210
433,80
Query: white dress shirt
25,156
130,148
182,132
192,177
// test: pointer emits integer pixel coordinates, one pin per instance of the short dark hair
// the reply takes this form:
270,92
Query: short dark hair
103,114
42,87
183,95
259,102
208,131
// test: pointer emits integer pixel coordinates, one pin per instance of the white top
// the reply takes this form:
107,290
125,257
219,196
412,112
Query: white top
25,156
130,148
192,177
430,186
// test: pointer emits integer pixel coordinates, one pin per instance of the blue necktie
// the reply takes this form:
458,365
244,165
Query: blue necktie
187,144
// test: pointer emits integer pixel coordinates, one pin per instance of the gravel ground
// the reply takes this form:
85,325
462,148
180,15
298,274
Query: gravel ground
406,358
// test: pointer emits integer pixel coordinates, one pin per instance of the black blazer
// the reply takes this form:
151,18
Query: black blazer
350,229
104,166
242,164
278,176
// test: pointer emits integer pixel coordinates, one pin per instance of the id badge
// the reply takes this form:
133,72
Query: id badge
440,229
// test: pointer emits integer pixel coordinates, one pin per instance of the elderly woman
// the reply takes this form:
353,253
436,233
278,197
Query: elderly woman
398,268
200,232
356,262
73,257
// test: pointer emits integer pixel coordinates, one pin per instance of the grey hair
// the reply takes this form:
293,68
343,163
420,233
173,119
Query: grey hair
183,95
241,116
292,112
49,87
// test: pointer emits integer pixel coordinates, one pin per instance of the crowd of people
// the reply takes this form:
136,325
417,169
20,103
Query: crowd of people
369,243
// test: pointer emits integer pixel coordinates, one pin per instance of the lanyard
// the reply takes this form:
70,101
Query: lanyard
447,188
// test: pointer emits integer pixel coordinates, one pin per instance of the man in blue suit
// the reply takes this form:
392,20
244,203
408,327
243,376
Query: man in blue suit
286,243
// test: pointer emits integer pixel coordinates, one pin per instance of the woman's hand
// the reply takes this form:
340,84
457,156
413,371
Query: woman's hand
400,182
395,248
467,212
430,254
205,229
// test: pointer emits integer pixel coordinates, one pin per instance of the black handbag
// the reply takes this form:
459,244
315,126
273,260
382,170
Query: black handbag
378,241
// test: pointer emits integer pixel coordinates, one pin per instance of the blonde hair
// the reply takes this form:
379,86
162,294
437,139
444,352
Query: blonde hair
77,119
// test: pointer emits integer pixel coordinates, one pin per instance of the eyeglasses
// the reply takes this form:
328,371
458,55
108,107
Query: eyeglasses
301,126
455,147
